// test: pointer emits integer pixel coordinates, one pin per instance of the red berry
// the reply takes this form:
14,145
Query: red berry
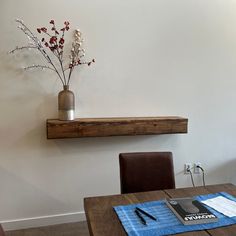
61,41
44,29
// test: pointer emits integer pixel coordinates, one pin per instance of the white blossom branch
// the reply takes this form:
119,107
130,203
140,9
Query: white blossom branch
38,67
23,47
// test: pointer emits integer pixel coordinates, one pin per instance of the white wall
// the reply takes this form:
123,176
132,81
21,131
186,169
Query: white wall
153,58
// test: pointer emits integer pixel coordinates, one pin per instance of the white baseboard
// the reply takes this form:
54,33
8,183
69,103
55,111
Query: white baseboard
43,221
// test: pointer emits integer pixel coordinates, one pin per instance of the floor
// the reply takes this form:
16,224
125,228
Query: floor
71,229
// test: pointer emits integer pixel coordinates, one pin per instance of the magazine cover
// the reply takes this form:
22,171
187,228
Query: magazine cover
190,211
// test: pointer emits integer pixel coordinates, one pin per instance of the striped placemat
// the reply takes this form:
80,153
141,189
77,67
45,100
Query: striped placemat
167,223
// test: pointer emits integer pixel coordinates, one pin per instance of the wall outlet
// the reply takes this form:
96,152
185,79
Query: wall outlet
197,170
187,167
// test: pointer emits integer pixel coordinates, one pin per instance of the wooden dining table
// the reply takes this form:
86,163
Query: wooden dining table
103,221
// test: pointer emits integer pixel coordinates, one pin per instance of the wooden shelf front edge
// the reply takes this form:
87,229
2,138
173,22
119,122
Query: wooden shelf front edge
103,127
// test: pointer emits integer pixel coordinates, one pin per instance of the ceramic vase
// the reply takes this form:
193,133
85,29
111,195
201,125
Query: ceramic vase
66,104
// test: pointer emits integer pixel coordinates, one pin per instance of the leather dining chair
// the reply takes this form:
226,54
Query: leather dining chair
146,171
1,231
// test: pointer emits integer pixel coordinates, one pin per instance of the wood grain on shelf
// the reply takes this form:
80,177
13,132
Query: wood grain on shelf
118,126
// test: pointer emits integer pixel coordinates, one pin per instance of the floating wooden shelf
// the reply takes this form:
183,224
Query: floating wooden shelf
101,127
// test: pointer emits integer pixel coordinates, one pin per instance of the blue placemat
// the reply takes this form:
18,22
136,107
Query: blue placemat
167,223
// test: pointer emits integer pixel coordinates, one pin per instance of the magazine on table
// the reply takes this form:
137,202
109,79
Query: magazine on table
190,211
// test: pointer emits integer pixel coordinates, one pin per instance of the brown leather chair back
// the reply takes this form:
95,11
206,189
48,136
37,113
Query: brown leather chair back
146,171
1,231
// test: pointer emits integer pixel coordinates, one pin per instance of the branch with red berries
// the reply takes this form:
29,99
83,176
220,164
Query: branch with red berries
53,41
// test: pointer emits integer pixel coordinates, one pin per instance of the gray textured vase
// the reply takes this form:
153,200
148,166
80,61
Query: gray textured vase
66,104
